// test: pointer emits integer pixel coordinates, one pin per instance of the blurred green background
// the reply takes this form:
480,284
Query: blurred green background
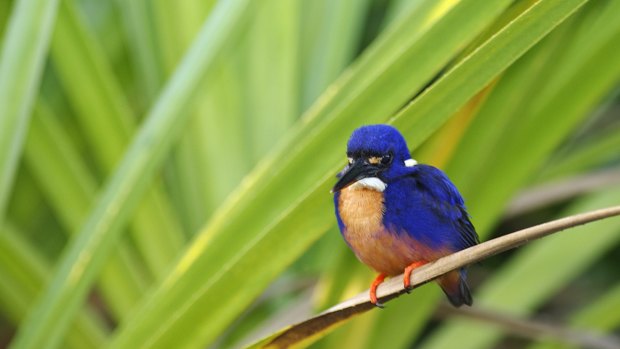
165,166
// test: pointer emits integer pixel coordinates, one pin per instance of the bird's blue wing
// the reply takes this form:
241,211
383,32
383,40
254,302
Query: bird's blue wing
427,205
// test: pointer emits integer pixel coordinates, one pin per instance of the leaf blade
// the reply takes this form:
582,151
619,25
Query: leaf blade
78,266
21,63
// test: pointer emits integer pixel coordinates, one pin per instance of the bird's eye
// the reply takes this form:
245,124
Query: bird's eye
386,159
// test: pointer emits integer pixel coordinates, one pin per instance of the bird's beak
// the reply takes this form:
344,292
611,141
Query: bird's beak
358,170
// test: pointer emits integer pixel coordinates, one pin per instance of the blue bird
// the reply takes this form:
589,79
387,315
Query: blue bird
396,214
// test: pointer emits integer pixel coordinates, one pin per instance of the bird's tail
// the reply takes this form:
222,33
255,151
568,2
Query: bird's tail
454,286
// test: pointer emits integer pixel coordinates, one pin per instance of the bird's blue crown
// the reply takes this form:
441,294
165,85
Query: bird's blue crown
378,140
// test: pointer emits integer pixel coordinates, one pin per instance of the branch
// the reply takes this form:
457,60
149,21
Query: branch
394,286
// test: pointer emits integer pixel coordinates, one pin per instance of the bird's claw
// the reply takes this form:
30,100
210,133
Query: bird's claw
373,290
407,275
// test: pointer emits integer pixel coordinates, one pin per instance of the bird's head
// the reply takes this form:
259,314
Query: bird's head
377,155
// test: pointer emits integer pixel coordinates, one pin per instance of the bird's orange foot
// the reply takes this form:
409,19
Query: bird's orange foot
373,290
408,270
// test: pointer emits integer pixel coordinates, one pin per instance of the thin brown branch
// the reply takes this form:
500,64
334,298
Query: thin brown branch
532,328
394,287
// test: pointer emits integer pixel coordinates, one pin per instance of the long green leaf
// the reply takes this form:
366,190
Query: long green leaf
271,111
5,11
70,188
92,91
492,125
215,139
85,255
23,273
147,68
198,186
105,117
564,103
304,165
601,148
174,26
21,63
330,32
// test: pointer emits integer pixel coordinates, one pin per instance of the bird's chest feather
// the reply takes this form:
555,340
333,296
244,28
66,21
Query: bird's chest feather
362,212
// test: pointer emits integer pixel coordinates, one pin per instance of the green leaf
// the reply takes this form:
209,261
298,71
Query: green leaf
492,128
564,104
23,273
22,56
330,32
85,255
88,81
106,118
142,39
70,188
272,59
599,149
198,186
175,25
208,134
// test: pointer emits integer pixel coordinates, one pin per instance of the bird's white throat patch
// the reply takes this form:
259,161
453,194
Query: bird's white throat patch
373,183
410,162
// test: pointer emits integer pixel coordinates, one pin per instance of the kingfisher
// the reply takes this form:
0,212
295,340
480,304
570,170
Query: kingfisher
396,214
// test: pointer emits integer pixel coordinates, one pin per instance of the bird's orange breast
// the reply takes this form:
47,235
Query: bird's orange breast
361,210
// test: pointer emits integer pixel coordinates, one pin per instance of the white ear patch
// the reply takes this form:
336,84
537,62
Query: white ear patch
410,162
373,183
